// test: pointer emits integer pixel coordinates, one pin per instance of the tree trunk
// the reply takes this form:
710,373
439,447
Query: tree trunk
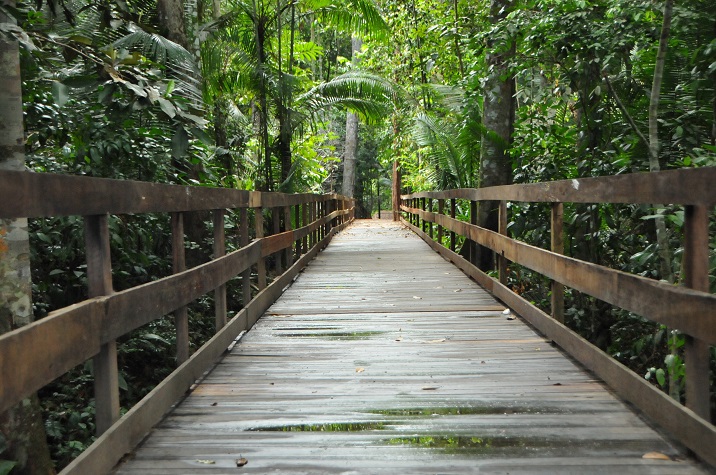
171,19
351,147
662,238
21,427
498,123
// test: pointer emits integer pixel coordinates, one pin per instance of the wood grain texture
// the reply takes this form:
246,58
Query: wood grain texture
692,312
384,358
686,186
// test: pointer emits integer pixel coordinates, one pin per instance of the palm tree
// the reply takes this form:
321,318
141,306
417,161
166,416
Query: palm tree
258,53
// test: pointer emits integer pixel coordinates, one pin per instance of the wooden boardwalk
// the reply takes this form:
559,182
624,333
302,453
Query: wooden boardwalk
384,358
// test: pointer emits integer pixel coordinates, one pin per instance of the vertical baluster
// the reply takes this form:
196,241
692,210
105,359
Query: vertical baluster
99,282
261,264
453,206
557,246
441,211
423,206
288,253
305,222
472,244
502,229
276,219
696,276
243,242
219,251
430,223
181,319
297,221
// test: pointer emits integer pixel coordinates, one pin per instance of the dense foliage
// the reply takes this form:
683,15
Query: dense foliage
253,95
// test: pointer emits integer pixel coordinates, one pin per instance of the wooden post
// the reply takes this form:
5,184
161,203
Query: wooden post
276,219
502,229
261,264
243,242
473,244
453,243
288,253
430,223
696,276
297,221
423,206
99,282
304,222
181,319
557,238
441,210
396,191
219,251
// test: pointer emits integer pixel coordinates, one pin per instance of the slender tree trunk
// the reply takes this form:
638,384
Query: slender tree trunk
458,50
22,426
351,146
498,123
662,238
171,19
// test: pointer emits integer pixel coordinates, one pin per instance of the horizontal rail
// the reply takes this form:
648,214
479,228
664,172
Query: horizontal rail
690,311
687,186
35,195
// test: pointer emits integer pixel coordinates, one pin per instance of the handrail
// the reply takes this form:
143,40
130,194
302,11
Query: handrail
90,328
691,309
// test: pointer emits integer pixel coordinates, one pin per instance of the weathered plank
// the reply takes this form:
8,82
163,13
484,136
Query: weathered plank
407,388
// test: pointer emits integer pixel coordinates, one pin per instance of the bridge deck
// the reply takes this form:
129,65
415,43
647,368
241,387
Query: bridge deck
384,358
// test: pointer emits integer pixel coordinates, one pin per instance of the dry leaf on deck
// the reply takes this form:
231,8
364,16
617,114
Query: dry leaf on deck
360,370
655,456
241,462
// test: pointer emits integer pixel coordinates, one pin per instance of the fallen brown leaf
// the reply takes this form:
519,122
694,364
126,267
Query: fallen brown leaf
360,370
241,462
655,456
430,388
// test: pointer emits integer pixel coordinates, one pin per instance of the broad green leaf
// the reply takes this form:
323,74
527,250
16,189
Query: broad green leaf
660,376
167,107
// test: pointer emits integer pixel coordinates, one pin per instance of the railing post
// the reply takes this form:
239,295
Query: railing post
396,191
696,276
261,264
502,229
181,319
243,242
99,282
473,244
453,206
441,210
297,221
430,223
276,219
557,241
219,251
288,253
304,222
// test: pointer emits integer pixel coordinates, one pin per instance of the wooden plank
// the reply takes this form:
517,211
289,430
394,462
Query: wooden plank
139,305
686,186
684,424
697,354
181,316
261,265
557,246
99,282
24,370
419,393
243,242
692,312
32,195
219,248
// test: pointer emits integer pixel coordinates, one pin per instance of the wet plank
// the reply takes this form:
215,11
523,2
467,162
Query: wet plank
384,358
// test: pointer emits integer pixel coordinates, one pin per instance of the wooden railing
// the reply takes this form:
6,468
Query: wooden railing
34,355
690,309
